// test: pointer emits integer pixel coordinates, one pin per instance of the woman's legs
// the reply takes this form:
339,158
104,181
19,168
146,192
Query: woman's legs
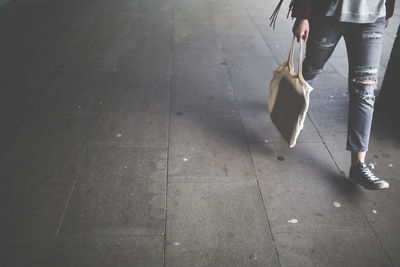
364,45
364,42
325,33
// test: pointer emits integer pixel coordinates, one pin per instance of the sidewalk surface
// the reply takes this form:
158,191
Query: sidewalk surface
135,133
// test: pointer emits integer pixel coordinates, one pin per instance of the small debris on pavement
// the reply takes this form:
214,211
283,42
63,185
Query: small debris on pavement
336,204
293,221
185,159
118,135
374,211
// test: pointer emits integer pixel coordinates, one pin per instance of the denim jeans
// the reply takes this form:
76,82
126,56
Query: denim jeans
364,46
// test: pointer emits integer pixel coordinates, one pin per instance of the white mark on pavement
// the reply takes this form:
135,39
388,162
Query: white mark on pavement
336,204
177,243
293,221
390,165
118,135
374,211
185,159
100,103
266,141
125,167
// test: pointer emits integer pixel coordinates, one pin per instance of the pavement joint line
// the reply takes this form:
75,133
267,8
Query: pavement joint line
327,231
171,66
68,201
210,182
247,140
123,144
376,236
280,142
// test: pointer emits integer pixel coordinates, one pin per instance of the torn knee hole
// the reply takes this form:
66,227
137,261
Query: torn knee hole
367,81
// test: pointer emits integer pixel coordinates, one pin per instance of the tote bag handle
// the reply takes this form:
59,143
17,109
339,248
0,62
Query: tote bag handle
290,59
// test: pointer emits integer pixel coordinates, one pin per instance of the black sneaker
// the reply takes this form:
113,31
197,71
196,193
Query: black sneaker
362,175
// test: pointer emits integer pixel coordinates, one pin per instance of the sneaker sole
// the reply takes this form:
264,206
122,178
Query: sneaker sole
368,186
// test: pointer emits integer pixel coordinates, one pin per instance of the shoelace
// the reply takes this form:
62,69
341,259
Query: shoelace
368,173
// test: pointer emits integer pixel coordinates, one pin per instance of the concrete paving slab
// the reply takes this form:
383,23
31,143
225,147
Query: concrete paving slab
233,23
145,45
340,64
119,188
336,144
382,211
159,28
30,220
149,72
14,107
283,26
189,32
329,83
197,58
329,114
244,44
116,14
218,225
259,127
47,149
223,8
208,149
330,249
75,93
133,117
155,8
108,248
260,5
202,94
250,77
340,49
128,203
96,58
193,13
300,186
98,50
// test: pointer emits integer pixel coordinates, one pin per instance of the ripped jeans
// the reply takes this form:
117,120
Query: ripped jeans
364,45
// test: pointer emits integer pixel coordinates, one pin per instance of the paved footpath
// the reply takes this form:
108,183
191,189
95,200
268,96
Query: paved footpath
135,133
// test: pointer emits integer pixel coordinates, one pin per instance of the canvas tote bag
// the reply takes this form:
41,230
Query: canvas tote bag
289,97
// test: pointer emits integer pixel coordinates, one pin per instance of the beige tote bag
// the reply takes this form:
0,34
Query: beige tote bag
289,96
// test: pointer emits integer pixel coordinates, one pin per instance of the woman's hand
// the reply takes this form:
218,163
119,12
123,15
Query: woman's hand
301,29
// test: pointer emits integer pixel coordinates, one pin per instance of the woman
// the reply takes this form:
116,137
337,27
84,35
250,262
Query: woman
361,22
